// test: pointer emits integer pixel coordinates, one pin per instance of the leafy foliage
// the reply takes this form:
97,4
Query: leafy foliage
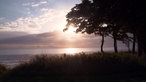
121,16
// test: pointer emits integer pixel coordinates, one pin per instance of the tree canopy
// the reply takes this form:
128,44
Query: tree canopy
119,16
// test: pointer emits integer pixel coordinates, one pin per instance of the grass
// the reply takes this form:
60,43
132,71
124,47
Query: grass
3,69
95,67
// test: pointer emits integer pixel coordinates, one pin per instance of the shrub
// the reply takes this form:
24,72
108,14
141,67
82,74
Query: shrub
85,67
3,70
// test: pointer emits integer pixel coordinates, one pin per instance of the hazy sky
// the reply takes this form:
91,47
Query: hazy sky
35,23
34,16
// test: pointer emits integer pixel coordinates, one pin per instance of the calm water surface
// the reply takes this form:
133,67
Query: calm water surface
13,57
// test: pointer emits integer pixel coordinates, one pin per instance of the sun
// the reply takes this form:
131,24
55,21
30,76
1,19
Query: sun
71,29
70,34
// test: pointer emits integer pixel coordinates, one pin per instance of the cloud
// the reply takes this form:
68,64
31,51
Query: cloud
44,9
49,20
40,3
43,2
46,18
2,18
26,4
50,39
34,4
7,35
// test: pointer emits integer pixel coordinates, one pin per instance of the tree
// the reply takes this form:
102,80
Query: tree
90,21
129,13
121,16
82,17
132,14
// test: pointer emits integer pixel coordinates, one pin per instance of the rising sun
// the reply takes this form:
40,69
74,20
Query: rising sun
70,34
71,29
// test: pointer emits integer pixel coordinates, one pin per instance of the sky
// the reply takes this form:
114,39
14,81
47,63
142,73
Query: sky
34,16
40,23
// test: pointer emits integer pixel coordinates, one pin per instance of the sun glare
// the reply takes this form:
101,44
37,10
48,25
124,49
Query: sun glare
71,50
71,29
70,34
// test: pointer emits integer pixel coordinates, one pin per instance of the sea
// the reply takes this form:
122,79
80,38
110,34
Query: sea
13,57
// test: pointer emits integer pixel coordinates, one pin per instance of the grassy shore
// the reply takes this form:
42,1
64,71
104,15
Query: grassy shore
95,67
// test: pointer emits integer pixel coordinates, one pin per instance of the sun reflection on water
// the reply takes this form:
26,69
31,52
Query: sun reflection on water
71,50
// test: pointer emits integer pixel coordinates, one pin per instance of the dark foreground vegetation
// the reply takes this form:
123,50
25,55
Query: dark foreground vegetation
96,67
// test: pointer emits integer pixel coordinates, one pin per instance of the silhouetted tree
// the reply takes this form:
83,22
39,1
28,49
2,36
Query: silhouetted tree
129,13
81,16
132,14
121,17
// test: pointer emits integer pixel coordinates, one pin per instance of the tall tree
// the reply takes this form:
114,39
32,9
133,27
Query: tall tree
82,17
117,14
132,13
127,13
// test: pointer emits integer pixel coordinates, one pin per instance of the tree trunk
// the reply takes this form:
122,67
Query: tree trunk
115,41
141,38
134,41
115,45
128,46
102,43
140,51
115,31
